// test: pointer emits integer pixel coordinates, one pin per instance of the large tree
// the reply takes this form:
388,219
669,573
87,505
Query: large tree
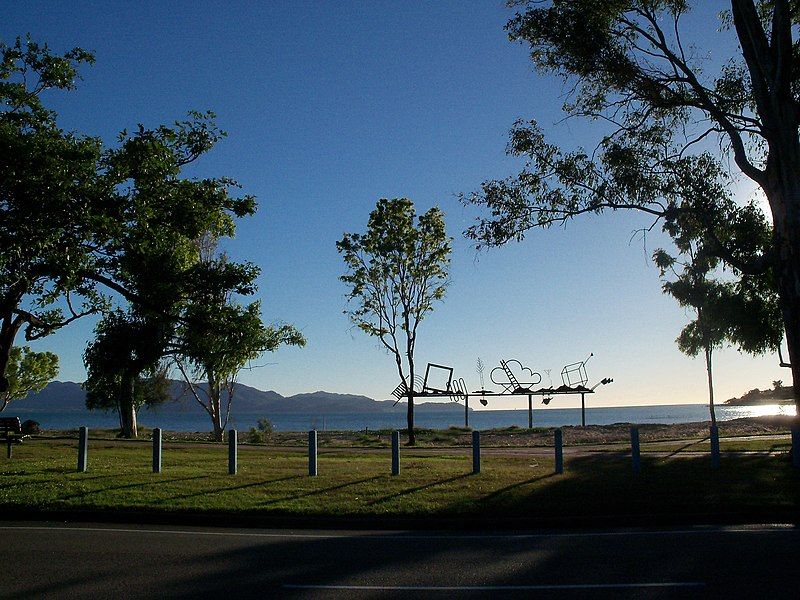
123,365
395,272
630,67
82,224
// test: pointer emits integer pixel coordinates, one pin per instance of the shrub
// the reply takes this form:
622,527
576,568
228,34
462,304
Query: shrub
30,427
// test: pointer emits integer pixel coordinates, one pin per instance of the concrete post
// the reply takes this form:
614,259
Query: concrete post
233,452
796,447
559,446
714,447
530,411
635,458
395,453
312,453
157,450
476,452
83,449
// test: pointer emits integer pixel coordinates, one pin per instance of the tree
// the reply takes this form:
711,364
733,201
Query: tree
27,372
395,272
220,336
123,366
80,222
631,69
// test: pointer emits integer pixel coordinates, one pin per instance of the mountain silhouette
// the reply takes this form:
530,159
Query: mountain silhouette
60,396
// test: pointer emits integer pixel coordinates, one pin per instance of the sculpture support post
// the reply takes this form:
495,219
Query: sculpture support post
530,411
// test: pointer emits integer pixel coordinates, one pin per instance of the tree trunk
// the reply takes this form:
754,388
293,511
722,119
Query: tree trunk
216,408
127,409
784,198
710,387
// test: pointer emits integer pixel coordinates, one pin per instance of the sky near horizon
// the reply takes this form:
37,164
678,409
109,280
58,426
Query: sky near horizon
330,106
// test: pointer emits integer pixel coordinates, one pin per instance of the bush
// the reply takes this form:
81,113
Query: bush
30,427
256,437
261,432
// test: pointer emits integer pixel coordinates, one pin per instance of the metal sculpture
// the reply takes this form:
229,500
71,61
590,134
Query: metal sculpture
574,374
401,391
458,389
512,384
480,367
432,369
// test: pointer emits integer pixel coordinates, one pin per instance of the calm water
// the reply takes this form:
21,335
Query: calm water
487,419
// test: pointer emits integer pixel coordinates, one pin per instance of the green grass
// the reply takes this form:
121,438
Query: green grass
351,483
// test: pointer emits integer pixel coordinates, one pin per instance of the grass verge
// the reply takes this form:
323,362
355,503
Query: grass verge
514,488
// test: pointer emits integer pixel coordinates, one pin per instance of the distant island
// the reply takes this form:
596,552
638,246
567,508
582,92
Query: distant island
59,396
779,394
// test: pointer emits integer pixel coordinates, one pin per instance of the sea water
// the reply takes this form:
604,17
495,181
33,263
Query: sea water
479,419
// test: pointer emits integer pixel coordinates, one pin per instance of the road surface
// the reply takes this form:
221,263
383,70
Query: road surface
51,560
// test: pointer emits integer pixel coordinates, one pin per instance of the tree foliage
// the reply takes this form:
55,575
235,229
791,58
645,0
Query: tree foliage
629,66
80,222
219,336
396,271
27,372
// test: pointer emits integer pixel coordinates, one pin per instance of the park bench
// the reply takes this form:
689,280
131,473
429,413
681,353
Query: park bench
11,428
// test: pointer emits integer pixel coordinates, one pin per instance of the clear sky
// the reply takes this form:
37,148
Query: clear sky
330,106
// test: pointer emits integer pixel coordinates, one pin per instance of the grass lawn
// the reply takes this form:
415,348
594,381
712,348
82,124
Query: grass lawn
356,483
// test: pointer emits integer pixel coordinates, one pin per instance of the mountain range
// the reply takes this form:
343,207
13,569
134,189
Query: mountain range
60,396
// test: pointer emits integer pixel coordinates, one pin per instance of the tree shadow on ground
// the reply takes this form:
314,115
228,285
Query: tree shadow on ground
227,489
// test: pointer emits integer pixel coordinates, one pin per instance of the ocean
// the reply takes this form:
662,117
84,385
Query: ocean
484,419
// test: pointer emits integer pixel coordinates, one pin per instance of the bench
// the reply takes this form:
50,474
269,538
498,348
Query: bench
11,428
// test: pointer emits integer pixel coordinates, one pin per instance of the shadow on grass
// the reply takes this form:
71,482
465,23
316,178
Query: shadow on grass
320,491
142,484
418,489
227,489
689,445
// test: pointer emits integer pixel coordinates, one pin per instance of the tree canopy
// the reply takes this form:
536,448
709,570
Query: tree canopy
27,372
629,66
396,271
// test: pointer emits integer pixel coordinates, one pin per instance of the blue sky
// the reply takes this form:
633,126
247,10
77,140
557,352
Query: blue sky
330,106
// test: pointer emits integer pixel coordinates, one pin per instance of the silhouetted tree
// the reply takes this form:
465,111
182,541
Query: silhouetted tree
395,272
79,222
630,68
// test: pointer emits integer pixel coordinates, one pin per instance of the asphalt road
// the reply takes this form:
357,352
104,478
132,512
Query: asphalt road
51,560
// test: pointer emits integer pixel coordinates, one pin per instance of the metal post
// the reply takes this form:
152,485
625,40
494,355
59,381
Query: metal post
395,453
530,411
157,450
466,410
476,452
583,410
637,465
559,446
10,451
233,452
312,453
83,449
796,447
714,447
